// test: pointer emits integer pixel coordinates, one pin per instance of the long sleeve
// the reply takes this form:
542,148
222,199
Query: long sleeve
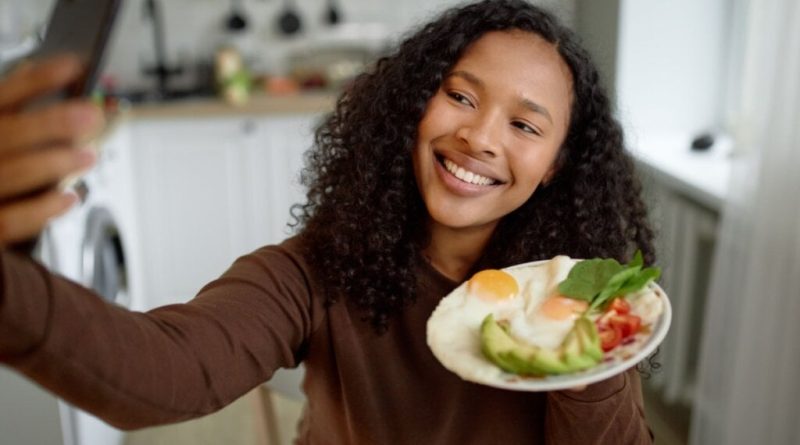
607,412
172,363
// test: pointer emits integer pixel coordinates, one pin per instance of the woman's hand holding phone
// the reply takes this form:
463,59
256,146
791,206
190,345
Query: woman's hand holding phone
41,146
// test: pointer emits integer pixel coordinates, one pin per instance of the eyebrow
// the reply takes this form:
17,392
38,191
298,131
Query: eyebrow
526,103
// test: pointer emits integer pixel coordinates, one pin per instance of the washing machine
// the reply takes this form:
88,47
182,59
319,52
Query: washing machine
96,244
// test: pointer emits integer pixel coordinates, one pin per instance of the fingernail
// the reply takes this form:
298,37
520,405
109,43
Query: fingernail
70,198
86,156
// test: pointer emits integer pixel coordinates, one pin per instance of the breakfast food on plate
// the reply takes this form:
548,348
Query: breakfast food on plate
548,318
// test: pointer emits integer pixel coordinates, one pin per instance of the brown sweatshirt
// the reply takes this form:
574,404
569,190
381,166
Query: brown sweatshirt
182,361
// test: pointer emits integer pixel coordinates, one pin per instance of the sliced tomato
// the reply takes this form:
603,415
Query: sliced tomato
628,324
620,305
610,337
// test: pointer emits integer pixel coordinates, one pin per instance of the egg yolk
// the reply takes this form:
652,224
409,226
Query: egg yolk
493,284
561,308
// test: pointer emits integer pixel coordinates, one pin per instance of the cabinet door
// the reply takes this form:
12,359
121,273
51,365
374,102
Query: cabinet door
191,203
273,162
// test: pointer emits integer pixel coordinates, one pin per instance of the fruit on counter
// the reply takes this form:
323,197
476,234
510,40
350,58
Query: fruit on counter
281,85
233,79
580,350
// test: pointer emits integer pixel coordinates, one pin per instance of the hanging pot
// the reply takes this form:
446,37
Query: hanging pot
289,22
237,20
332,13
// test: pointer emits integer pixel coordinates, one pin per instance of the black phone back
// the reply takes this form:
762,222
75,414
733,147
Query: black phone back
81,27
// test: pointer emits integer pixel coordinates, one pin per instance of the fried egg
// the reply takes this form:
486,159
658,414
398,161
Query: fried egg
548,316
492,291
548,324
455,324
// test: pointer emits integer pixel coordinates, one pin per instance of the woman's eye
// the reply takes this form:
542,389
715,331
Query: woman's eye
459,98
526,128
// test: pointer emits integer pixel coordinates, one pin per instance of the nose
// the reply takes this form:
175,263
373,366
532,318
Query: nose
482,133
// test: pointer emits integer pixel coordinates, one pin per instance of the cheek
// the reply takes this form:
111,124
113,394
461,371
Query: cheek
435,119
529,170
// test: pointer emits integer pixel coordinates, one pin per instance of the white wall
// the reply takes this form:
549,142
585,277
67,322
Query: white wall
670,65
664,61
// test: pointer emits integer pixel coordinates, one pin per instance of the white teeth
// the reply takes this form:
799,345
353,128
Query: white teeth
465,175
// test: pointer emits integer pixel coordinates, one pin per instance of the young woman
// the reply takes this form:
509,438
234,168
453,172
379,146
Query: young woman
485,140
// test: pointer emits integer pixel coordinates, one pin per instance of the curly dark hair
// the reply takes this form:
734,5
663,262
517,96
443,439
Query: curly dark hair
364,220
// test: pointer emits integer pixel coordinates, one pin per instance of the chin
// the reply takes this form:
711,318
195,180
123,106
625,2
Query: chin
460,220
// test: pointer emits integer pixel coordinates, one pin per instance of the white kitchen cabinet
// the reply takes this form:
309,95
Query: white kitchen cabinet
273,158
210,190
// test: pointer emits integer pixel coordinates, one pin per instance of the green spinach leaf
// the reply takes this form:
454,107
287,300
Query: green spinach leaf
588,278
597,280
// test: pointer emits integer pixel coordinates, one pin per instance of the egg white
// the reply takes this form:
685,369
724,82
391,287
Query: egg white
532,326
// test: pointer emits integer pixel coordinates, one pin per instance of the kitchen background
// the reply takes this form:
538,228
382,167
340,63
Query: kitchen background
671,66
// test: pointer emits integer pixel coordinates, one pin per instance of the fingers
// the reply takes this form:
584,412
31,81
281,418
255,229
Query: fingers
37,146
21,174
22,220
71,122
34,79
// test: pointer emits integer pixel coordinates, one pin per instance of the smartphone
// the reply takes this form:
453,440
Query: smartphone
80,27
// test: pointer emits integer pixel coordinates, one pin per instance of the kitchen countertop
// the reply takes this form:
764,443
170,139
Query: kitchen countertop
704,176
258,104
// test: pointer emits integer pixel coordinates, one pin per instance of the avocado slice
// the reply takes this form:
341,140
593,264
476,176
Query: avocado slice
540,362
590,339
495,343
574,354
518,358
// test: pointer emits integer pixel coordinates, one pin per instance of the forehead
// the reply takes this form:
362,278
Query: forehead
520,63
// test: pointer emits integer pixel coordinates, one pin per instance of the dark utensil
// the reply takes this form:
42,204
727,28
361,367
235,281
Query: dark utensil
289,22
332,14
161,70
237,20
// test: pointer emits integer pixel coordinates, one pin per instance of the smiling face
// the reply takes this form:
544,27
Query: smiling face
492,132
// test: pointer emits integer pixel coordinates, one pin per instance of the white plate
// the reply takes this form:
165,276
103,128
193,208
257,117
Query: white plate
454,359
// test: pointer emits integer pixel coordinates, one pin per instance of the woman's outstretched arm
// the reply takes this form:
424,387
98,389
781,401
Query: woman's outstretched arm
170,364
